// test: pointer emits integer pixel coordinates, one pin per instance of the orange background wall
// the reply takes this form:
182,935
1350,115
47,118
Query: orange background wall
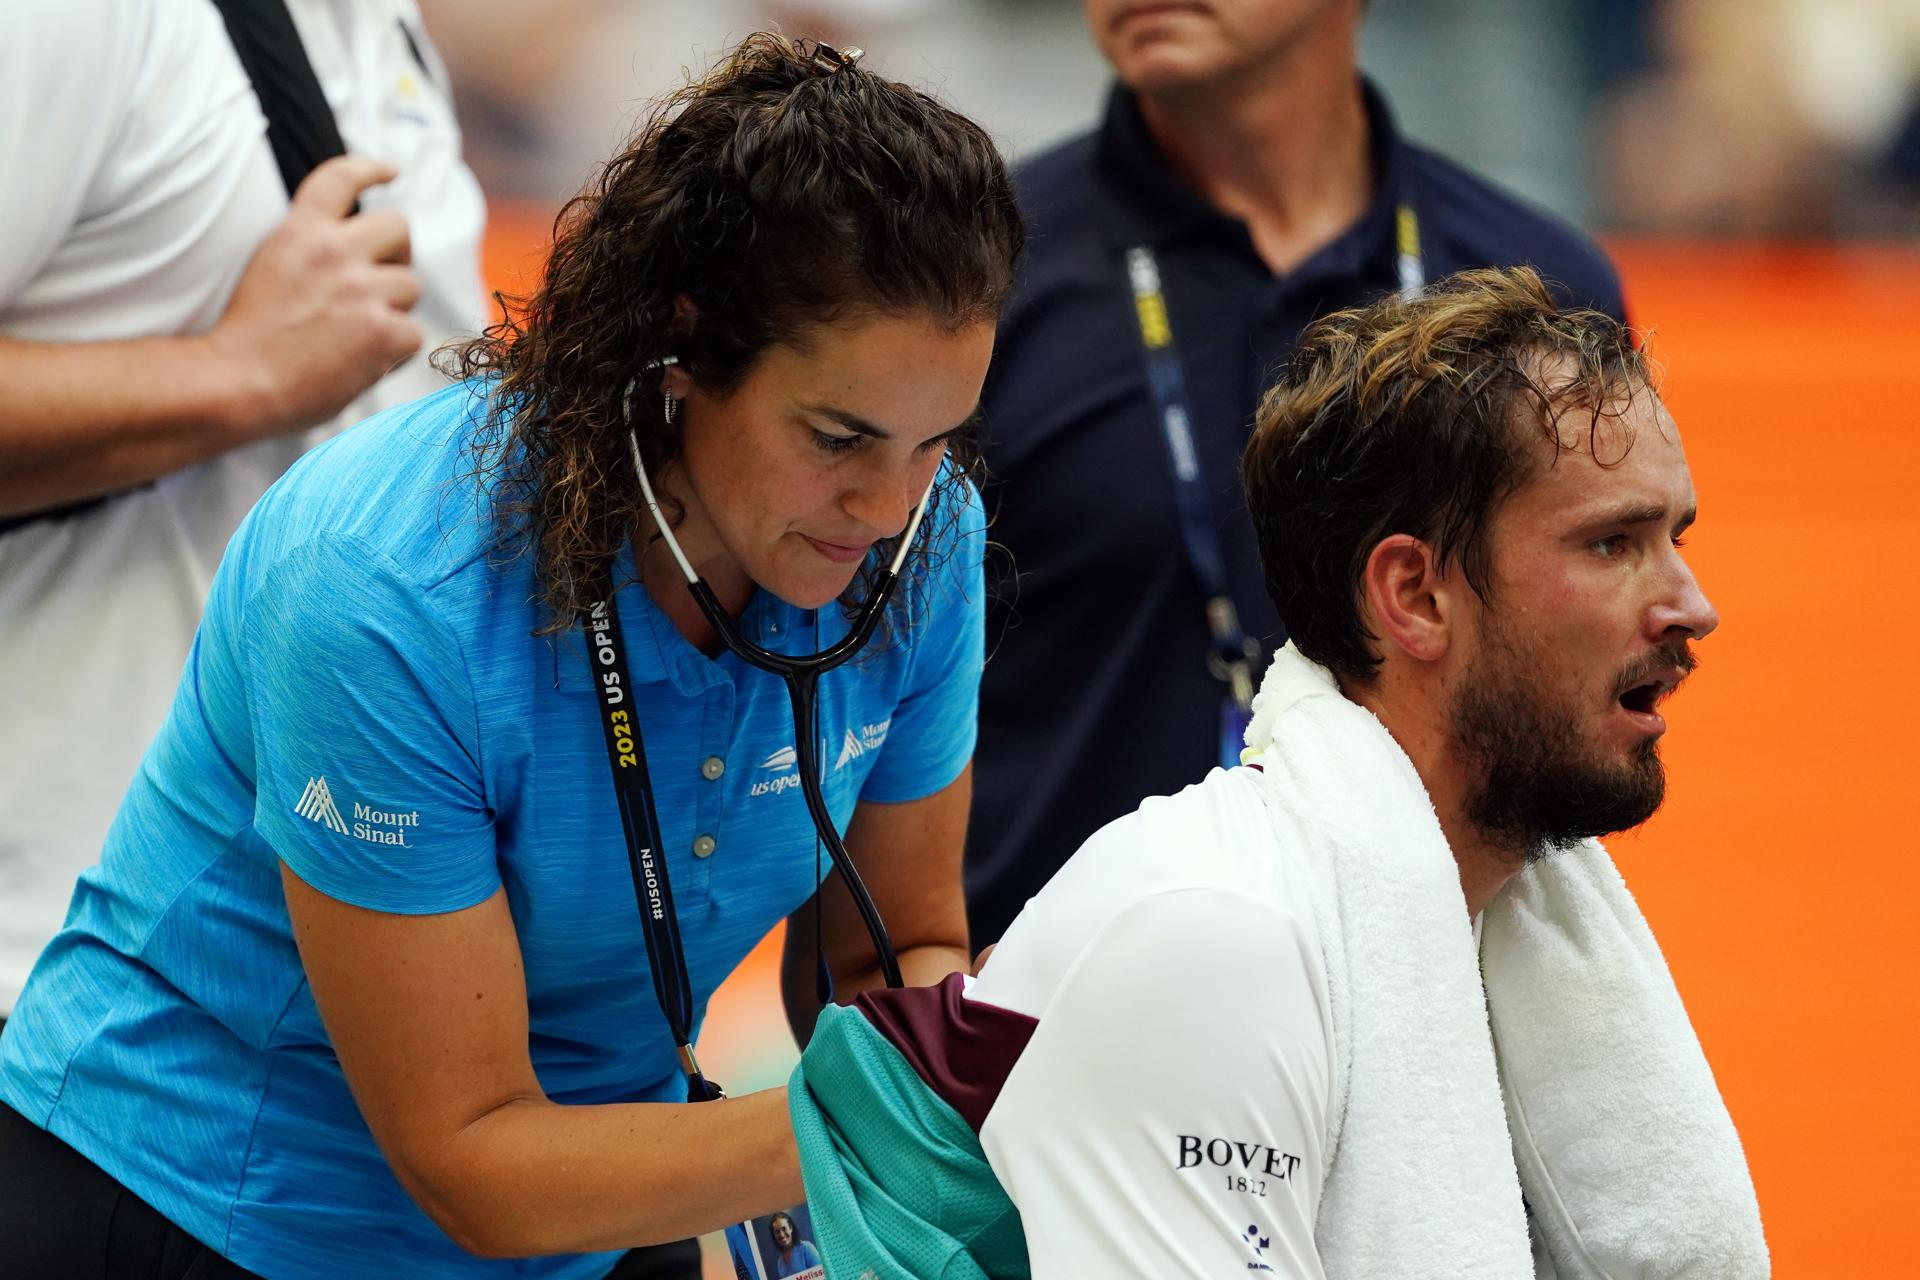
1783,876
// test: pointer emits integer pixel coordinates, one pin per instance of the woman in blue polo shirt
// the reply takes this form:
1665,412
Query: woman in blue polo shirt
359,985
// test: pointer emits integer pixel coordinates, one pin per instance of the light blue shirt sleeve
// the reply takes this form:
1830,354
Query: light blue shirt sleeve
366,739
804,1259
935,723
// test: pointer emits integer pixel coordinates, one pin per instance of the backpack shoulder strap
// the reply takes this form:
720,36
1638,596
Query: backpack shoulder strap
300,129
300,125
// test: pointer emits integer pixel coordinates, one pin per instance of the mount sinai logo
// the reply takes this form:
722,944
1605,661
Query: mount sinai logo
316,804
854,745
375,826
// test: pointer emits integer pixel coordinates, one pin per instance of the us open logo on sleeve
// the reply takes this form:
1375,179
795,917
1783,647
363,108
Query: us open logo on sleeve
375,826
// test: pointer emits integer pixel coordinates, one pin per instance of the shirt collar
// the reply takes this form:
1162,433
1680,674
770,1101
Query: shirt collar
767,620
656,651
1155,207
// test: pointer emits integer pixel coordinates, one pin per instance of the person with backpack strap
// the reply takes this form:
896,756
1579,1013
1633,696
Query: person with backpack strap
227,237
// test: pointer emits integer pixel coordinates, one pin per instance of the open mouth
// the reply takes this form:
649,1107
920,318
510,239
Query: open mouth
1644,698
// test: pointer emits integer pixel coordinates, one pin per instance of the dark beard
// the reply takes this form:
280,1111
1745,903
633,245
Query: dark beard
1540,788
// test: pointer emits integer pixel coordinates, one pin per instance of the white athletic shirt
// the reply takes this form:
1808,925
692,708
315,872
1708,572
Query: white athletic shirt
135,184
1169,1114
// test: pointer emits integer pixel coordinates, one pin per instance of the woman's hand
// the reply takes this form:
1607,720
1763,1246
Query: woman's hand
428,1015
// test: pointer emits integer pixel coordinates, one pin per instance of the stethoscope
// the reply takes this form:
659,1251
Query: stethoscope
801,675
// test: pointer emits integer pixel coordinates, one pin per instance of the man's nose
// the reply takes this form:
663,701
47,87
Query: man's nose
1687,607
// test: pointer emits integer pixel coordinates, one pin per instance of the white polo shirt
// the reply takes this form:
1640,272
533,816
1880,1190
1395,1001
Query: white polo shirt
1146,1064
135,184
1169,1114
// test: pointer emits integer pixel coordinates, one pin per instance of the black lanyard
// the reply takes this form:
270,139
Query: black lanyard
640,824
1234,653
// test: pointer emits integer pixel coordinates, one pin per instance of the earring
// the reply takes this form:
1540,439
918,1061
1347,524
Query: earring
668,405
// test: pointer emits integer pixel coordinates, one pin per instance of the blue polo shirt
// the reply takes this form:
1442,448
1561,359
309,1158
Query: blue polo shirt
367,701
1099,693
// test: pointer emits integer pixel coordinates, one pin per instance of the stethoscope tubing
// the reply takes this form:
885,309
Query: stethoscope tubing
801,675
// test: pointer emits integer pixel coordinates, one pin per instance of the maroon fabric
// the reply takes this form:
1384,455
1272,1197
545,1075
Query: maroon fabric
963,1050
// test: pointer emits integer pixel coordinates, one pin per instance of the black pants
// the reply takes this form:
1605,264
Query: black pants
63,1218
677,1261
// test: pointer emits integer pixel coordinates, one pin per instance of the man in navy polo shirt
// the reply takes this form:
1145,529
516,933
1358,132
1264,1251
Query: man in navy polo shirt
1245,181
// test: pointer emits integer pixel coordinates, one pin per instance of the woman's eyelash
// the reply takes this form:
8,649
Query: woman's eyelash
841,444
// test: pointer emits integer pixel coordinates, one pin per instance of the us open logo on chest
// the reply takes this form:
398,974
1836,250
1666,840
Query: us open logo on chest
780,771
375,826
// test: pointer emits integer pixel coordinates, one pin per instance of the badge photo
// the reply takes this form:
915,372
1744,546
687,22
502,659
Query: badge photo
776,1247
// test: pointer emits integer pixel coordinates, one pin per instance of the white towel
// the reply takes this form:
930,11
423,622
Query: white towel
1598,1071
1626,1153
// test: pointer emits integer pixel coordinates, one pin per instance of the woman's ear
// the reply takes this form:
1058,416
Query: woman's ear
685,316
1408,600
675,381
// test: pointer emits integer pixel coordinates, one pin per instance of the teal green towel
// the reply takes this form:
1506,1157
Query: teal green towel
896,1181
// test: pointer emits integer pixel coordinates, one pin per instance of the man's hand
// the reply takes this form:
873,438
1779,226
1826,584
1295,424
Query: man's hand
318,316
321,313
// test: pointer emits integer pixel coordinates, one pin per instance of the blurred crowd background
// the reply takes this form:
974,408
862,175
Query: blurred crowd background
1699,117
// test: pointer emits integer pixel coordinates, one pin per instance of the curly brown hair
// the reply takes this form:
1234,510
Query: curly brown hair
774,194
1420,417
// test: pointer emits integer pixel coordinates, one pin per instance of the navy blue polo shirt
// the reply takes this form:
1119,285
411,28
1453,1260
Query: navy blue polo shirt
1097,692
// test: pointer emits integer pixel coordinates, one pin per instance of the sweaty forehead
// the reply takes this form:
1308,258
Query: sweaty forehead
1610,429
1630,450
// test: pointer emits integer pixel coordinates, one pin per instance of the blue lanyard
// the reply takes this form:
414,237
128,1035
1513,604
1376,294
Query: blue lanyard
1233,654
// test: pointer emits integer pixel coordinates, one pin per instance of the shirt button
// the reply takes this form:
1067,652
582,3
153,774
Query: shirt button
712,767
703,847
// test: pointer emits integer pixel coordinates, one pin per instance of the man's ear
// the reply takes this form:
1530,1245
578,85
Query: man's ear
1410,603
